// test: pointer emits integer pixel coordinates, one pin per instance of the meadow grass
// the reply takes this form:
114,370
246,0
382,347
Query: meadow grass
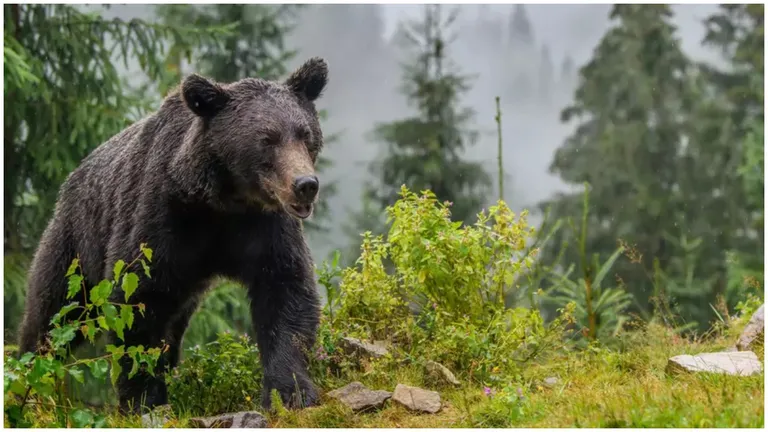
625,386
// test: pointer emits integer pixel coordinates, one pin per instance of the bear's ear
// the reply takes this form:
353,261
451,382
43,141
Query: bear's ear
310,79
203,97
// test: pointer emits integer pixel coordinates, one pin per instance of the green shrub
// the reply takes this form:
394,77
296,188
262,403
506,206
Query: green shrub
463,270
39,380
221,376
436,289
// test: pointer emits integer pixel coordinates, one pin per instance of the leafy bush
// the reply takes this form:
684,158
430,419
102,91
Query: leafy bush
436,289
39,379
221,376
464,270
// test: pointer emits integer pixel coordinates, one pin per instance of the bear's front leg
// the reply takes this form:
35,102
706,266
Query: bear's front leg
286,311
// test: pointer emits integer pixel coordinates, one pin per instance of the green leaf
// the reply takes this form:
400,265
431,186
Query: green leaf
81,418
146,251
73,285
119,265
63,312
126,314
63,335
77,374
72,267
146,269
114,373
101,292
99,368
135,367
130,283
102,322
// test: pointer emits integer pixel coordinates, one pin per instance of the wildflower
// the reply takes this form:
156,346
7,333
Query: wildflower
247,398
488,391
495,369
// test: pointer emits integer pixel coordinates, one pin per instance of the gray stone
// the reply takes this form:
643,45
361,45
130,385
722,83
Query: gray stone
754,332
158,417
550,382
359,398
239,420
743,363
441,373
357,347
416,399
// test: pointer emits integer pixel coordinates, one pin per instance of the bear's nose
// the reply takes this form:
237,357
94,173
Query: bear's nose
305,188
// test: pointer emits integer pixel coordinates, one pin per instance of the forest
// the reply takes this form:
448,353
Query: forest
520,237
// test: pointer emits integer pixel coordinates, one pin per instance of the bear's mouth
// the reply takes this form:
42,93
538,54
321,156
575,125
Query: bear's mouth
301,211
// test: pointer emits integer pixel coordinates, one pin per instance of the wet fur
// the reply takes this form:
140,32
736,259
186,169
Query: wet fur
204,182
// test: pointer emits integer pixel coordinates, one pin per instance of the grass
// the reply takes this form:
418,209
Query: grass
626,386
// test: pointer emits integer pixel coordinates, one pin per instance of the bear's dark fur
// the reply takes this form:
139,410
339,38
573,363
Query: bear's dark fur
215,182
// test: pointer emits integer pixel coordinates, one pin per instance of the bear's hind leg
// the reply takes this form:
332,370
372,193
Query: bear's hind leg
46,288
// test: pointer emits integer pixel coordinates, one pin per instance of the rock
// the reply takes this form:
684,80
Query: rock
550,382
240,420
357,347
158,417
754,332
743,363
359,398
416,399
441,372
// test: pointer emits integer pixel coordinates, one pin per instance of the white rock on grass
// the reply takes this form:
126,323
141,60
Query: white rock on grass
416,399
754,332
441,372
743,363
239,420
360,398
156,418
357,347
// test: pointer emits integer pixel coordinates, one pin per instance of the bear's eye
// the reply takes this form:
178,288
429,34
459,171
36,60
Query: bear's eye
303,134
271,138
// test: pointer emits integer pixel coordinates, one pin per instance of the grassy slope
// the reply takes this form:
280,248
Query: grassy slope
597,388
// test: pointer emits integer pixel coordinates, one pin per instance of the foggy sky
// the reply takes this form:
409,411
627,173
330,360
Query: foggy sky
530,135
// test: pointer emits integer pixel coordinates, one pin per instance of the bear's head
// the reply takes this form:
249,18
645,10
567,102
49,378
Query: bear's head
263,136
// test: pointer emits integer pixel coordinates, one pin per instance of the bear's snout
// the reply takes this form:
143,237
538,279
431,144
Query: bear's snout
305,188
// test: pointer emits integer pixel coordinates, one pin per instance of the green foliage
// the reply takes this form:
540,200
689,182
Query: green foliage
219,377
327,277
464,270
444,296
600,310
39,378
225,309
667,134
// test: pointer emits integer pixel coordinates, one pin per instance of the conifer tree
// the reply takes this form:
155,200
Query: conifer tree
426,151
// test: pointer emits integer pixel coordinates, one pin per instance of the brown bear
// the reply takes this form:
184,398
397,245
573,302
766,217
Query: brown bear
216,182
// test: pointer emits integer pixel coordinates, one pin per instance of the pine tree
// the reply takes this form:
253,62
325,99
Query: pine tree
63,97
633,109
735,125
425,151
520,28
546,79
520,52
